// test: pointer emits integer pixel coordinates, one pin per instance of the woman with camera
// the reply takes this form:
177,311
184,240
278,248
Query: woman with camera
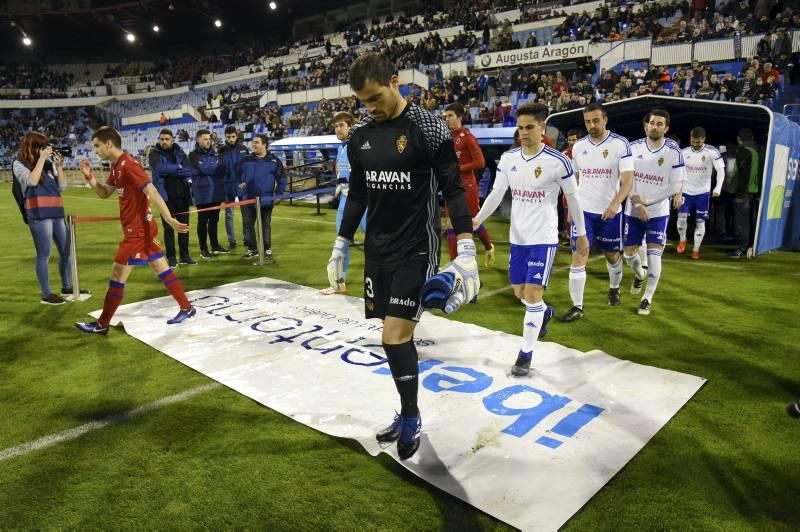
39,173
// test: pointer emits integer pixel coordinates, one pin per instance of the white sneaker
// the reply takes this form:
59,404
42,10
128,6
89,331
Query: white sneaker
332,291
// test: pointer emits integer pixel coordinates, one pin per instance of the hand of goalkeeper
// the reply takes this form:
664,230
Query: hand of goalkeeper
336,262
459,277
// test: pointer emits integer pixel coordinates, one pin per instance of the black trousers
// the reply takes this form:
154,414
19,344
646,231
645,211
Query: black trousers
207,223
249,224
176,207
743,220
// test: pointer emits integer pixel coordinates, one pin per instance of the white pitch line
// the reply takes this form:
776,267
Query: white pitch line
77,432
693,263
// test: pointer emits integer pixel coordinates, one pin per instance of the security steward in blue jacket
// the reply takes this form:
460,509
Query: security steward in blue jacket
172,176
232,153
208,190
261,175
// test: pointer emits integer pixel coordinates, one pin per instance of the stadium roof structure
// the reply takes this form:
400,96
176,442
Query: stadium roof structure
95,29
721,120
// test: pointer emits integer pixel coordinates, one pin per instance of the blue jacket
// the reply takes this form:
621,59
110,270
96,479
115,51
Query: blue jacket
208,173
170,165
264,177
231,157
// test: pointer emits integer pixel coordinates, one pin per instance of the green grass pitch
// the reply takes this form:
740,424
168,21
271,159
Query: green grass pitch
729,460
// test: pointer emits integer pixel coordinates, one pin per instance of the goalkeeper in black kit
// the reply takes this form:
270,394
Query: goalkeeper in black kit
400,157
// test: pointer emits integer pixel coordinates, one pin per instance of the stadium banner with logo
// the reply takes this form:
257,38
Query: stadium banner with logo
530,451
775,229
537,54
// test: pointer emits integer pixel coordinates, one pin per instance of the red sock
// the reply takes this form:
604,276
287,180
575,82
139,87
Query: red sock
483,234
116,291
175,288
452,244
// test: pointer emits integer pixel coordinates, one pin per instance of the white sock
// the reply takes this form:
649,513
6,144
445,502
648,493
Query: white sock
577,281
643,255
699,233
614,273
635,263
683,223
534,316
653,273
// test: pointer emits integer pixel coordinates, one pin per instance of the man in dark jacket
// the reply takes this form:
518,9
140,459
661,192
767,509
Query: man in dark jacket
261,175
171,176
232,153
744,184
208,191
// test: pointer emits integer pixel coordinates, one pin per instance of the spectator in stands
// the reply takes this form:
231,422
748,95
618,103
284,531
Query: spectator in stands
171,175
38,182
764,92
763,49
705,92
498,114
163,120
782,44
261,175
208,190
232,154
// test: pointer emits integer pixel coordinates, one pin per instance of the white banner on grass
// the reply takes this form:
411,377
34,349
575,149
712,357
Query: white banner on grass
529,451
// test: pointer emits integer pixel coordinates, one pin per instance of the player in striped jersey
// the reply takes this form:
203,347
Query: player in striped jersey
658,176
604,171
535,173
701,160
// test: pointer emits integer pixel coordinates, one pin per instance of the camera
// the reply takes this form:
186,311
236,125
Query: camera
63,151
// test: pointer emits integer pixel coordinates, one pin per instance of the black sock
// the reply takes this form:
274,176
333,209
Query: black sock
405,371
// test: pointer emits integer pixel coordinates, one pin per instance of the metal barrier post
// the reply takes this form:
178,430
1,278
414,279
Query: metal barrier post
316,185
259,233
73,259
291,187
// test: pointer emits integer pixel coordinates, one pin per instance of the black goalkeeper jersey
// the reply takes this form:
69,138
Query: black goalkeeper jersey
397,167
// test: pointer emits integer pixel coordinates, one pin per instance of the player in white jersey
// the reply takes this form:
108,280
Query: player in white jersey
535,173
701,160
658,176
604,170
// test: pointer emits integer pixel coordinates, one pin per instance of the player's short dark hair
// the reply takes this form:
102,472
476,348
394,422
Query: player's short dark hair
745,134
662,113
536,110
108,133
200,133
262,137
595,106
344,116
574,131
166,131
457,108
646,118
371,67
698,133
230,129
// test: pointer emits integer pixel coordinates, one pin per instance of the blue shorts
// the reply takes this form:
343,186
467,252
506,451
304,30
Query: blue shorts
340,215
531,264
655,229
607,232
698,204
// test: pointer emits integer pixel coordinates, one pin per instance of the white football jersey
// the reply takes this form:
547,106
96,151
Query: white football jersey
598,167
699,165
535,181
654,173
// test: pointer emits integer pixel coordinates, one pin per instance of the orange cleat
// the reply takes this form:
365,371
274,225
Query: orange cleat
681,247
695,255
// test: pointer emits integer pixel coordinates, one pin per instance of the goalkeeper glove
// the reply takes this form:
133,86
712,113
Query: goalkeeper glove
336,262
456,284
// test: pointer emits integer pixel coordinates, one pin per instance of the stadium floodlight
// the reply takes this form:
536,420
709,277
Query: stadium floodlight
130,37
218,23
27,41
156,29
273,6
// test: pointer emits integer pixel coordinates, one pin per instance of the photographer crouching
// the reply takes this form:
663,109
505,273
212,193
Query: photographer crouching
38,182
